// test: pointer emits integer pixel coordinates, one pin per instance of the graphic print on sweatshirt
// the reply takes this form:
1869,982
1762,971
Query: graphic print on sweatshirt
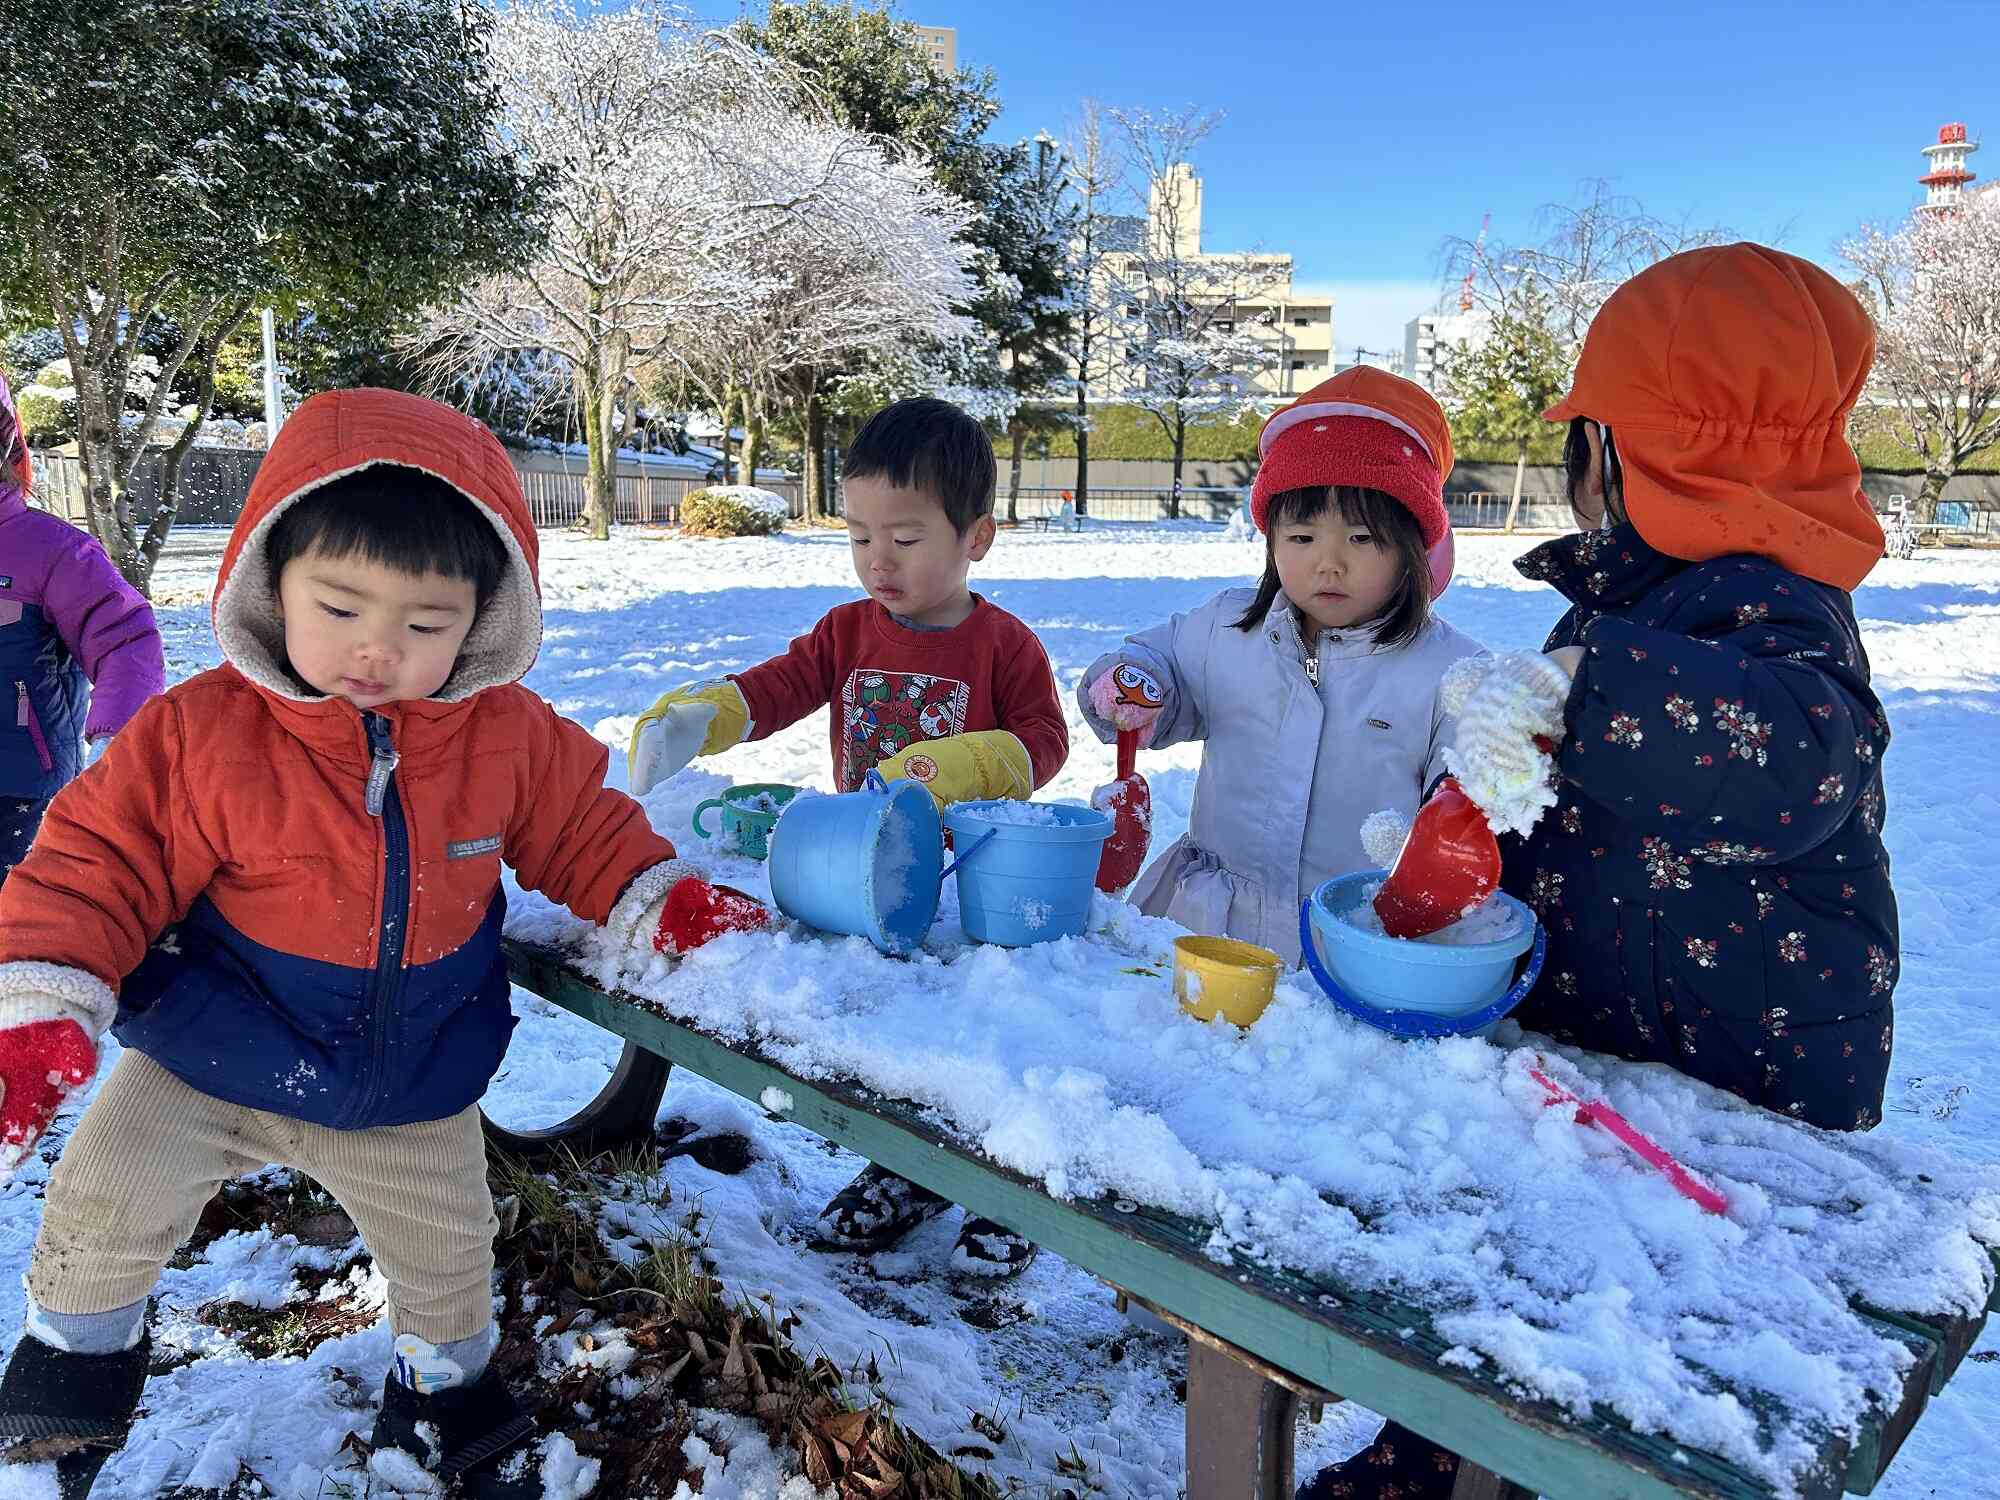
887,712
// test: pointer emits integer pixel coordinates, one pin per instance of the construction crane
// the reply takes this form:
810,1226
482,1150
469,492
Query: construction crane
1478,245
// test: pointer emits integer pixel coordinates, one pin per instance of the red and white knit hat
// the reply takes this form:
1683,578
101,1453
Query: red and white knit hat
1368,428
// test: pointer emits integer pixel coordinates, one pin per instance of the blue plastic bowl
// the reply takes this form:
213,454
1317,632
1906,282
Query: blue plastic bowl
866,863
1415,988
1026,882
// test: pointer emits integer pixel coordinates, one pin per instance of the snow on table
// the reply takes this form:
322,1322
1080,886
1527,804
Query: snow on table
1429,1171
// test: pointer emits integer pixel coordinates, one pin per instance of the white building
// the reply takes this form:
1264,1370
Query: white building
1429,337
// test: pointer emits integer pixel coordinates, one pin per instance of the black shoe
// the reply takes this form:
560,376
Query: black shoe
987,1248
874,1211
474,1435
69,1410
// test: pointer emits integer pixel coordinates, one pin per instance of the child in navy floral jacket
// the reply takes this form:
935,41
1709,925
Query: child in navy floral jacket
1711,873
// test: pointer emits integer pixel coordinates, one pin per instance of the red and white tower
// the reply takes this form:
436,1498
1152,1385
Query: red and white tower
1945,182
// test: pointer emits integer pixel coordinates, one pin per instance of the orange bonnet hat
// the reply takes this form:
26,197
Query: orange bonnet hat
1726,376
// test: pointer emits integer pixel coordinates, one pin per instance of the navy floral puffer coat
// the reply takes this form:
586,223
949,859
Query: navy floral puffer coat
1713,878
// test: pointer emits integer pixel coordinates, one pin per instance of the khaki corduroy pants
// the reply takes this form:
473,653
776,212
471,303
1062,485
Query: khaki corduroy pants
150,1151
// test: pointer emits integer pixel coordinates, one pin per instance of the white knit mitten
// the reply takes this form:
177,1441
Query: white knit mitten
1495,757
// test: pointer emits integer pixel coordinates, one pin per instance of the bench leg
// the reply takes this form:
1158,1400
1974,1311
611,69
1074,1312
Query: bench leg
1239,1430
1475,1483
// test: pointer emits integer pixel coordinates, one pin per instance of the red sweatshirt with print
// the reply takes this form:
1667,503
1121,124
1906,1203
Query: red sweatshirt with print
888,686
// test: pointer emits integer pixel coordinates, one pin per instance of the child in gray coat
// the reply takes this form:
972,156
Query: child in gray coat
1316,690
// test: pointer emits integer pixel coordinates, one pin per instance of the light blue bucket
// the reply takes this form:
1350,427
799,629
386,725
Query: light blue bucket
868,863
1026,882
1415,988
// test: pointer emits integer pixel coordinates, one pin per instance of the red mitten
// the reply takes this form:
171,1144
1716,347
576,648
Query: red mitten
697,912
40,1063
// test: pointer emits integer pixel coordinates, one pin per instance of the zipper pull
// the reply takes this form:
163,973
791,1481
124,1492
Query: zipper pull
382,764
20,705
1312,665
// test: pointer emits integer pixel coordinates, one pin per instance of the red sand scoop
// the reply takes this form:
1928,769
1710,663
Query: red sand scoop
1449,864
697,913
1130,802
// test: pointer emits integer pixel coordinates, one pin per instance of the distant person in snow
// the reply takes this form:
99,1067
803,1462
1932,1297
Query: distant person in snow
924,680
69,623
1315,690
1711,874
281,884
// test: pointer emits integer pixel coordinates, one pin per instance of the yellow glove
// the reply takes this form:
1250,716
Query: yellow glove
703,718
975,767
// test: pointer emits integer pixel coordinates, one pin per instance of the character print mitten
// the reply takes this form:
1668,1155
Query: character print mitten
703,718
1128,697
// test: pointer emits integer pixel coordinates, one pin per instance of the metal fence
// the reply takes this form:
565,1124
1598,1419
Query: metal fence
1476,510
216,481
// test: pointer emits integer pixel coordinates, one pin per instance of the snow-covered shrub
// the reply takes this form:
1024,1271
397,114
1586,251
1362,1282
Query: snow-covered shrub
48,407
732,510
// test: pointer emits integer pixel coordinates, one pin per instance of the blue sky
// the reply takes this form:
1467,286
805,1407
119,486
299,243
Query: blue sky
1357,136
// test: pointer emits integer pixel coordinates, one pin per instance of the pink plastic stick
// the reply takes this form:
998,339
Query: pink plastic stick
1621,1129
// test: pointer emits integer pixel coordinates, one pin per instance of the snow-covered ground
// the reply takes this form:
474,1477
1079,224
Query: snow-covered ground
1075,1393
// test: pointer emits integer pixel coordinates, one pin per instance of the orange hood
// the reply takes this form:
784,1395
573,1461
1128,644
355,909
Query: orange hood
334,434
1726,376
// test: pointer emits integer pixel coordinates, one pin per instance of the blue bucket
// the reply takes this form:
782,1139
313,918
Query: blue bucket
867,863
1026,882
1415,988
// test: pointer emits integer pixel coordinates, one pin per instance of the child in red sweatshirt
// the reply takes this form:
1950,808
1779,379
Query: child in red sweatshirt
924,679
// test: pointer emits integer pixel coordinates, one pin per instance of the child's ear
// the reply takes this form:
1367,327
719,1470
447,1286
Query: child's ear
979,540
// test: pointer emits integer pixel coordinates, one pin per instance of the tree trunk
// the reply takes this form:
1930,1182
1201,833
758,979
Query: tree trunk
1930,495
1082,496
1180,459
815,475
1520,473
753,443
728,420
1020,441
601,462
162,519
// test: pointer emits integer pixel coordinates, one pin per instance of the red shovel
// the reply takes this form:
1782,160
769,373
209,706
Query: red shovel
697,913
1130,802
1448,865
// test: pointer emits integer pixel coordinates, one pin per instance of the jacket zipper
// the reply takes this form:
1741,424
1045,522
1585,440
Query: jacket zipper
1312,665
384,803
24,718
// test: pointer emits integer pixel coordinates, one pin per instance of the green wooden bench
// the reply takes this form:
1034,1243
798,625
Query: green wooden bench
1260,1340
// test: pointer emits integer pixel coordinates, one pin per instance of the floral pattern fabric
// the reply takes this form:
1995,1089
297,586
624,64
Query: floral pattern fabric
1712,877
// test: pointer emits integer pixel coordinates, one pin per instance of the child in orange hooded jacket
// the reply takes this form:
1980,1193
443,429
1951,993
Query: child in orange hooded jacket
282,886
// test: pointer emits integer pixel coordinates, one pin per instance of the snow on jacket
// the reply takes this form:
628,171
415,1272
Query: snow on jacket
296,904
1712,878
1291,766
68,621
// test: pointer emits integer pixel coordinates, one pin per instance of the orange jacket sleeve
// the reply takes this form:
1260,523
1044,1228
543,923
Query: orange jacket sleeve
574,839
787,688
119,859
1029,707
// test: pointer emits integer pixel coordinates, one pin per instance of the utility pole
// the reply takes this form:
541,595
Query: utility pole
274,411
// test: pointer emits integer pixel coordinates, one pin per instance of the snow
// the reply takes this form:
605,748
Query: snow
1491,921
1021,815
1541,1238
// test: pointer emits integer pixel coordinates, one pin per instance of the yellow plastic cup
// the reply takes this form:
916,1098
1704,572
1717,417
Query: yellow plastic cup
1220,976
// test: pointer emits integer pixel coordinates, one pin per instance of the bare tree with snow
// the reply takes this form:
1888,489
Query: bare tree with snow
1933,287
870,263
672,155
1095,292
1187,359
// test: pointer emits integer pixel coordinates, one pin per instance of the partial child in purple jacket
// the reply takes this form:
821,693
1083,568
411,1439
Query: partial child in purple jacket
69,622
